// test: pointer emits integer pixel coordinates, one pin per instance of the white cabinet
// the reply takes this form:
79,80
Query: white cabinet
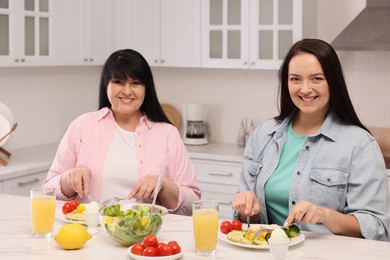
26,33
252,34
218,180
165,32
22,185
84,31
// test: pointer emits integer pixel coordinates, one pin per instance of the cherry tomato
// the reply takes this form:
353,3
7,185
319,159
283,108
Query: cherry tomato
225,227
150,241
160,244
175,247
236,224
165,250
137,249
150,251
67,208
74,204
172,242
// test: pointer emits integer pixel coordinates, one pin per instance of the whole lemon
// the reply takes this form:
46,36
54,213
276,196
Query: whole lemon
72,236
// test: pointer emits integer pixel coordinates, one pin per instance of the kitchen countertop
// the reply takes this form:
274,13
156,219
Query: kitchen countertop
16,241
28,160
216,151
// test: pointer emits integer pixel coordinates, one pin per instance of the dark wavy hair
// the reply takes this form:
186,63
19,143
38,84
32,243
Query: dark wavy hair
126,63
340,101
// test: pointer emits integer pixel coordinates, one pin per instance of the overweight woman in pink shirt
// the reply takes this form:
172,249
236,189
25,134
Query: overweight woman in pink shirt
121,149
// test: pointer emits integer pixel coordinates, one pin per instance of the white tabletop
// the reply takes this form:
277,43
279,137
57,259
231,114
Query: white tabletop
16,241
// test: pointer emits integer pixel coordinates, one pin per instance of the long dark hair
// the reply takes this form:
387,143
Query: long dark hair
340,101
126,63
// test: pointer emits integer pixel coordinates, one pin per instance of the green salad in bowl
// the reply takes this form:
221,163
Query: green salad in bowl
132,222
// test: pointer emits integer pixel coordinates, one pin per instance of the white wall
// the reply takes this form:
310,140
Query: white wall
45,100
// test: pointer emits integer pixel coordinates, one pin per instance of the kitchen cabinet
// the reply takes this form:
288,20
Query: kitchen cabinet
253,34
23,184
84,31
26,168
165,32
26,33
218,171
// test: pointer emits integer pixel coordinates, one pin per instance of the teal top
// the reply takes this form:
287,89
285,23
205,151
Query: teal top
278,185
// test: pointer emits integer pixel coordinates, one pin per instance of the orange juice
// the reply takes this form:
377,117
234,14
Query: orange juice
42,213
205,229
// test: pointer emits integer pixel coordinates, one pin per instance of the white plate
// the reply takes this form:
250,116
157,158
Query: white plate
6,112
293,241
4,129
61,216
169,257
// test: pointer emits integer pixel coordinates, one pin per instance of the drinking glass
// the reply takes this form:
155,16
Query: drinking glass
43,207
205,219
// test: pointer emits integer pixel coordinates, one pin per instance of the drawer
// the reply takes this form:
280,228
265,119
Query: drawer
22,185
217,172
225,204
221,193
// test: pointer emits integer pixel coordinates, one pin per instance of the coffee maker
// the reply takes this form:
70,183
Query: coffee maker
196,128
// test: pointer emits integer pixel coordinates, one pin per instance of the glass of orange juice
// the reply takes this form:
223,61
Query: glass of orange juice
205,219
43,207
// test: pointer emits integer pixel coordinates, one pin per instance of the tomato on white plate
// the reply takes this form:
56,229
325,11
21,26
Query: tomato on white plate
169,257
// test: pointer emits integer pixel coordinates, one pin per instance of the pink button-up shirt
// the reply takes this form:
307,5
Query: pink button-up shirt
158,147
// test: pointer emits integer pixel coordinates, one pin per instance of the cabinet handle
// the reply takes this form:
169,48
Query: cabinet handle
162,61
91,59
225,202
22,60
253,63
24,183
16,60
86,60
227,174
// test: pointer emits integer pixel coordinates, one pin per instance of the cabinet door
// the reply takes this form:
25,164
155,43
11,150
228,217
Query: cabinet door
98,30
22,185
252,34
274,26
225,33
137,28
26,33
180,33
83,31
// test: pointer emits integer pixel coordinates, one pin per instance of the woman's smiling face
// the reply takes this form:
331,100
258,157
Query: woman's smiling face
126,97
307,85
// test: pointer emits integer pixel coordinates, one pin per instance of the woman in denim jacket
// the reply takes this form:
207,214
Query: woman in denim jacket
315,163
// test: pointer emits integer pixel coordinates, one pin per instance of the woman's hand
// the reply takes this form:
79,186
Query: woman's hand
338,223
308,213
76,180
246,203
144,188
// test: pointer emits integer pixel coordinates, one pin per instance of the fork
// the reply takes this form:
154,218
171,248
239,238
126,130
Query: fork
248,221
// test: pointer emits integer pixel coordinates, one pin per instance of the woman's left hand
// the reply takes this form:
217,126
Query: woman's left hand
144,189
307,212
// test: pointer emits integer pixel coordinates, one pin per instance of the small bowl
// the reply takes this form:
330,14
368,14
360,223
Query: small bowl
130,229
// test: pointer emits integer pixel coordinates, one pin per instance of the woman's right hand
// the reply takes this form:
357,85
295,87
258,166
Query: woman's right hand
246,203
76,180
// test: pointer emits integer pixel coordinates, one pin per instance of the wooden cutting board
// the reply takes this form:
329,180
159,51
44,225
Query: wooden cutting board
382,136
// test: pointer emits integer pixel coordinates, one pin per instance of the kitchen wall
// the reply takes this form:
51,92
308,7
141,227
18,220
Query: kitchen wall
45,100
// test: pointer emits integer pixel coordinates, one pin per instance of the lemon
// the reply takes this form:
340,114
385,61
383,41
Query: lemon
72,236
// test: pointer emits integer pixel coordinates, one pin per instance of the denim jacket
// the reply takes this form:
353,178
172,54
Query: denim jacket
341,167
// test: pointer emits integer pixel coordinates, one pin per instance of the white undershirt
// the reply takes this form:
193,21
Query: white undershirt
120,168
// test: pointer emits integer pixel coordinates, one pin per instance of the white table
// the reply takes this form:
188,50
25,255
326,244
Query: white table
16,241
